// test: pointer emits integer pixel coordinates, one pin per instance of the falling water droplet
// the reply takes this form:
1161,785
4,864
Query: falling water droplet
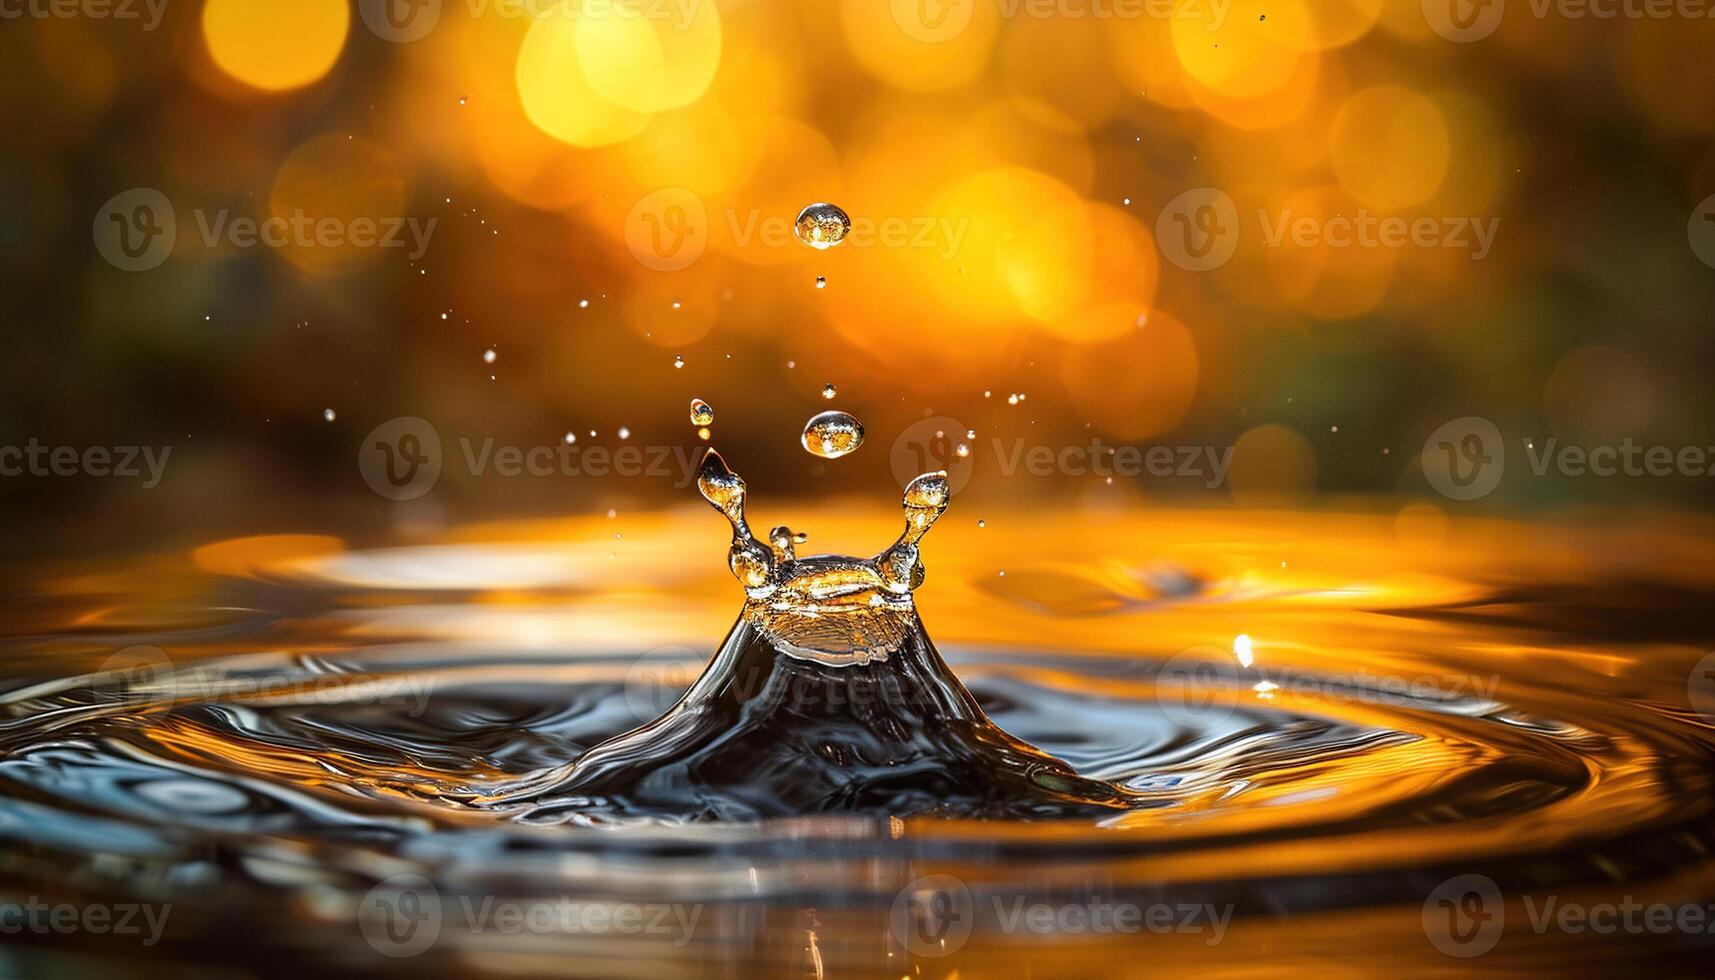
822,226
571,437
488,356
829,391
328,414
701,412
821,282
624,433
831,435
678,360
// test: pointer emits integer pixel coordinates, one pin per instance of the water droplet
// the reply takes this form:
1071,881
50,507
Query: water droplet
679,360
962,450
982,524
1012,399
703,433
831,435
571,437
822,226
328,414
821,282
970,433
624,433
489,356
701,412
829,391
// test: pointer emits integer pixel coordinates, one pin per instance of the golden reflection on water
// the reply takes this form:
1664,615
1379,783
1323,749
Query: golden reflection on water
1543,620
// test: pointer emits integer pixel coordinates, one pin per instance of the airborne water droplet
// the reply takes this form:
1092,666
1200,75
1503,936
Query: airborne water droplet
831,435
701,412
822,226
829,391
488,356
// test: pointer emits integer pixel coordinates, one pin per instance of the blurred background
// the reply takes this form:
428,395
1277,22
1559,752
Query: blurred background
1137,221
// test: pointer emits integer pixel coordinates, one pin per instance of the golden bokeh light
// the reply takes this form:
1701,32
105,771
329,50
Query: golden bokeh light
1390,147
555,89
333,199
275,46
661,59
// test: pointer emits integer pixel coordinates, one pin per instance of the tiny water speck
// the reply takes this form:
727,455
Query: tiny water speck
571,437
822,226
831,435
624,433
821,282
489,356
679,361
328,414
829,391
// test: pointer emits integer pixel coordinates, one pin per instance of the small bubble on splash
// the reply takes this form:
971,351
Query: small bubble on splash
829,391
701,412
831,435
822,226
